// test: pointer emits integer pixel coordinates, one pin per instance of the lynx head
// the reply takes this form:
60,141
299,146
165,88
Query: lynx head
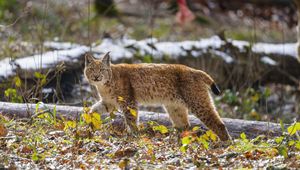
97,71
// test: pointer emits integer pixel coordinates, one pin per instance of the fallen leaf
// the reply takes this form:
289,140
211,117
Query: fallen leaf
125,152
3,130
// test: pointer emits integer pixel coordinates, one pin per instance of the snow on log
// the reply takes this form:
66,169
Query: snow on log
235,126
228,61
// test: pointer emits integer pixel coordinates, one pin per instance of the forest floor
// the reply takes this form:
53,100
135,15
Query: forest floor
43,142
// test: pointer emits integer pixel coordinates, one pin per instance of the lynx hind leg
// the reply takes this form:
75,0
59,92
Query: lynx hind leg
203,108
179,116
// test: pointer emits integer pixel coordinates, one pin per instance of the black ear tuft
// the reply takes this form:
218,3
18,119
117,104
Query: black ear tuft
106,59
89,58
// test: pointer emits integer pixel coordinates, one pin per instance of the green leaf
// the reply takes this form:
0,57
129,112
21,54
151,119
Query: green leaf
243,136
37,106
294,128
204,143
35,156
292,142
17,81
256,97
297,145
195,128
282,126
279,139
211,135
267,92
54,115
183,148
186,140
44,81
38,75
204,139
283,151
161,128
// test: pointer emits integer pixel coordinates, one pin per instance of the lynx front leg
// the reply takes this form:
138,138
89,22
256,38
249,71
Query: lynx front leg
130,112
102,107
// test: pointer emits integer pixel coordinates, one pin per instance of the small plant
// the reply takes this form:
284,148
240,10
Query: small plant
13,96
158,128
204,140
245,104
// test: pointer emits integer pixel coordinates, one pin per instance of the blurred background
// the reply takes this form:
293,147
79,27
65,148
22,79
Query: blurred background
248,46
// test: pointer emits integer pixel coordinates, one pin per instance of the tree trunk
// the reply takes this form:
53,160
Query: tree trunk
235,126
297,2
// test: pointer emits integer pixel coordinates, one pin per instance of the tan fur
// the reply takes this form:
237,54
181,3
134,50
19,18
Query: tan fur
177,87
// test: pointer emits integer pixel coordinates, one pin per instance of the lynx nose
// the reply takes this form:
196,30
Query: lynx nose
97,78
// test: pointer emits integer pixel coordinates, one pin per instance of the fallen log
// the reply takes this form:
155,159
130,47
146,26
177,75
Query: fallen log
235,126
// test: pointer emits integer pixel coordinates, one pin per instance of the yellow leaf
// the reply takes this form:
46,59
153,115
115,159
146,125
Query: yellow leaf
96,120
195,128
121,99
161,128
291,143
133,112
17,81
255,98
70,124
294,128
297,145
211,135
87,117
122,164
186,140
243,136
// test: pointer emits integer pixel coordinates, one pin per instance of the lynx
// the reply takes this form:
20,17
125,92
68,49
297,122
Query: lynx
178,88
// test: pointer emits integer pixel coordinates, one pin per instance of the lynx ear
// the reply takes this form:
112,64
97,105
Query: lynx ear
89,58
106,59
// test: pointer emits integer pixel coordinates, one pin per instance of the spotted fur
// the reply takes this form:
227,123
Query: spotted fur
178,88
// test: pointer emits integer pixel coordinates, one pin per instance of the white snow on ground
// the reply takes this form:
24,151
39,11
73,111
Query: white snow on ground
268,60
116,49
177,49
5,67
239,44
51,57
227,58
60,45
47,59
126,48
284,49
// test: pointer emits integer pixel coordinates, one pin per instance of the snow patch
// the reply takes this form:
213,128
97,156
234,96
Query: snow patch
284,49
227,58
5,67
240,44
46,59
116,49
127,48
268,60
60,45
